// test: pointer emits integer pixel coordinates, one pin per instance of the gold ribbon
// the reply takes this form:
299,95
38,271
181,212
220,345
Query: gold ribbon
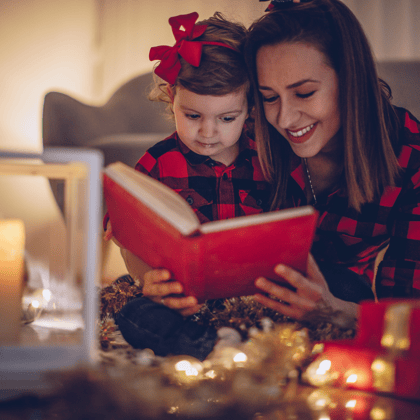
396,336
396,340
383,371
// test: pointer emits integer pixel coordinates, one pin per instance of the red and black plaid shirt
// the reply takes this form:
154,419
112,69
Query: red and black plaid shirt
214,191
354,239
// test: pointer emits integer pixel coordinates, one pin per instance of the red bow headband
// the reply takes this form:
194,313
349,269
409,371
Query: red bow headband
185,31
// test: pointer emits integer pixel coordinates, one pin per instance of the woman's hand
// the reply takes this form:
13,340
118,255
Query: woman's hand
312,298
159,287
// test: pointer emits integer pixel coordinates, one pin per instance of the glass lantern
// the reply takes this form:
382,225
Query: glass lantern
49,314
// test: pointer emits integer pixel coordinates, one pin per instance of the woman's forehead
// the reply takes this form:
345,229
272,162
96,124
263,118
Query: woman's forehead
290,61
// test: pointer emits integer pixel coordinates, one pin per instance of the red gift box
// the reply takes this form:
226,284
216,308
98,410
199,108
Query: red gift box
383,357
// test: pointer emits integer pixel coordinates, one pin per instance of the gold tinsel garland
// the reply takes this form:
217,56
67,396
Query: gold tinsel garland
255,377
240,314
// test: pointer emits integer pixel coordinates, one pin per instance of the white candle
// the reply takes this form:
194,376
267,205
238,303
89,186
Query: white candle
12,247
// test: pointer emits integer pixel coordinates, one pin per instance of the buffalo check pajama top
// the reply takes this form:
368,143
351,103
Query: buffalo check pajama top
354,239
213,190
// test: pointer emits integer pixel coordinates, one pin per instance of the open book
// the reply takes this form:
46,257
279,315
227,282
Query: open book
213,260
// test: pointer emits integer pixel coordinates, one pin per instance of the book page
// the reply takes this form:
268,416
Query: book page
157,196
256,219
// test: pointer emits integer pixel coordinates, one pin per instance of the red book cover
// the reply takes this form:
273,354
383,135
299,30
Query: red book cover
215,260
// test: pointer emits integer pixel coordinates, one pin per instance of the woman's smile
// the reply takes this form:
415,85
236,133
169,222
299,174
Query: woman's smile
301,135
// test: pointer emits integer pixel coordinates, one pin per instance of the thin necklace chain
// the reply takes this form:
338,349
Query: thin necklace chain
309,179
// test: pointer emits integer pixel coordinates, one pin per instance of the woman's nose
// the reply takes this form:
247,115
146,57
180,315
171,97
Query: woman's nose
288,115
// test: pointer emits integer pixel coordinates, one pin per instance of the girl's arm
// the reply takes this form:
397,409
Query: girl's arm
311,300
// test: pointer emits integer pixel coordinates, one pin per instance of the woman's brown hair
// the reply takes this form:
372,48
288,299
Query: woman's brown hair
221,70
368,121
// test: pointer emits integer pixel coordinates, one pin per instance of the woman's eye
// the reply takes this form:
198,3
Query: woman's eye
192,116
270,99
305,95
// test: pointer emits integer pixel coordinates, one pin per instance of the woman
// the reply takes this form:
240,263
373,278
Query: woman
328,135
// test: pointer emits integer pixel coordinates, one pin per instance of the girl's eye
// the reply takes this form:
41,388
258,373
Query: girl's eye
228,119
270,99
305,95
192,116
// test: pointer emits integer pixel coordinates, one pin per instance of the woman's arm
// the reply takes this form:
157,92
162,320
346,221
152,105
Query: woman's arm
311,300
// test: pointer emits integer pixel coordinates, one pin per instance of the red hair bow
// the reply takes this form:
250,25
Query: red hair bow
185,31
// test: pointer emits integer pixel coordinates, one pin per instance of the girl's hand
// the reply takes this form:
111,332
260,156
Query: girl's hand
159,287
311,300
108,233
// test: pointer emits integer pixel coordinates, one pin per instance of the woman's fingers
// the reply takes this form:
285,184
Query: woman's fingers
281,307
314,273
309,291
284,294
311,297
311,286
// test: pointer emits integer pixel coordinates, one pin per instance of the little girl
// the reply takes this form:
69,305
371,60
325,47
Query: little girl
209,160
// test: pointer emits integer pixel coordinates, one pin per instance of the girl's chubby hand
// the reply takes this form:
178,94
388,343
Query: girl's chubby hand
157,283
108,235
310,299
159,287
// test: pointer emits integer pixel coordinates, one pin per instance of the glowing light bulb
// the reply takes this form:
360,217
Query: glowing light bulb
352,379
318,348
192,371
240,357
173,410
378,366
387,340
322,402
319,373
378,413
211,374
35,304
324,367
351,404
183,365
47,294
186,371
